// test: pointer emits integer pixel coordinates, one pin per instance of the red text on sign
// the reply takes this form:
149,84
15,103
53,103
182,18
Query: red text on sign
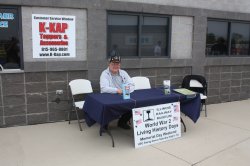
53,27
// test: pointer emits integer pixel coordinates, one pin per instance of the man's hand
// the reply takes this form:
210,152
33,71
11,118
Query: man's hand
119,91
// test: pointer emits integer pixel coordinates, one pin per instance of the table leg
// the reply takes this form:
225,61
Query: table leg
106,129
183,125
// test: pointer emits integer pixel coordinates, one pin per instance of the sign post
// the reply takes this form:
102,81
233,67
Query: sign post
154,124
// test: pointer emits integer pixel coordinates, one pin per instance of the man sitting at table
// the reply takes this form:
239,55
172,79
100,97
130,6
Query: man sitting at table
111,81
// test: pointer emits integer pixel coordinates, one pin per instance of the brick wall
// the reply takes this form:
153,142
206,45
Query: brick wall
26,98
228,83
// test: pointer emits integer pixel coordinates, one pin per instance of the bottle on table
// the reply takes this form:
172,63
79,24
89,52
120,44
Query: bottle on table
166,86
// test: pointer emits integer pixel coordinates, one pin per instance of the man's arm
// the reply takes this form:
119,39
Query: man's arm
129,81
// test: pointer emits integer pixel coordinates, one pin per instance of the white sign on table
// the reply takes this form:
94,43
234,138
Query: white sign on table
154,124
53,36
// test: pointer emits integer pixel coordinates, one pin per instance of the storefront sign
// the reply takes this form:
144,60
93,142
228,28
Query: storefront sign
154,124
4,17
53,36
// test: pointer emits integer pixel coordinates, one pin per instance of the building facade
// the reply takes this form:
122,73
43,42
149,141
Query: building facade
160,39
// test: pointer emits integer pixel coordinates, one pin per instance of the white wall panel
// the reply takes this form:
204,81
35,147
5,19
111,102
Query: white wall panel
181,37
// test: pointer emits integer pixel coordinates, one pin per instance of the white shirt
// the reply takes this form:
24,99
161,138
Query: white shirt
157,50
109,85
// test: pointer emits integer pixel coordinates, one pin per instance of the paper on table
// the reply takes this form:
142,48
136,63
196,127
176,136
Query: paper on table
185,91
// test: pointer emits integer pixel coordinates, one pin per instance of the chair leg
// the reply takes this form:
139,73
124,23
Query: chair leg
78,120
205,109
201,107
69,115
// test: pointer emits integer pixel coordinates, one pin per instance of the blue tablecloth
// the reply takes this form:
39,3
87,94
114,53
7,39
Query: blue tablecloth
103,107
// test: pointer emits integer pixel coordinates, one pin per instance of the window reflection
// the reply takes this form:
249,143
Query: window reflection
9,38
125,30
228,38
217,38
154,35
240,39
122,35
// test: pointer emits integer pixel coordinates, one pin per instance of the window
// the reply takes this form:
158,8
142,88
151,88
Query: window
124,30
240,39
229,38
10,49
217,38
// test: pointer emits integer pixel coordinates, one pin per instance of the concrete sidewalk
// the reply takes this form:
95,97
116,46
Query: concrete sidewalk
221,139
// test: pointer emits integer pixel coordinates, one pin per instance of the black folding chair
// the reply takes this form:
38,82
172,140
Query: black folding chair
197,83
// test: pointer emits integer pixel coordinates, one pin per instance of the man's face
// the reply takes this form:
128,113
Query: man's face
114,67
